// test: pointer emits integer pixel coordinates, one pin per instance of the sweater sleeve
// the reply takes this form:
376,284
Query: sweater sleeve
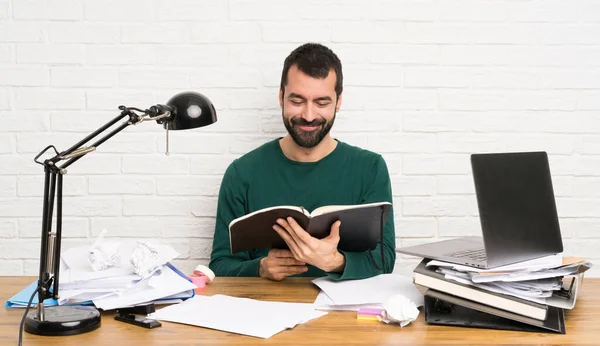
360,265
231,204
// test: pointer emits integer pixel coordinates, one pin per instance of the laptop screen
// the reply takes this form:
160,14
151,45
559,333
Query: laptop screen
516,205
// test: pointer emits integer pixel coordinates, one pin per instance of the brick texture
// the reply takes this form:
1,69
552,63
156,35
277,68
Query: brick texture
427,83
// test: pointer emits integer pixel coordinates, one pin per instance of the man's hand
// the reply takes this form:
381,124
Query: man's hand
322,253
279,264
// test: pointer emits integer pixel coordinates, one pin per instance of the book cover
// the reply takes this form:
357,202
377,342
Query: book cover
444,309
361,229
429,278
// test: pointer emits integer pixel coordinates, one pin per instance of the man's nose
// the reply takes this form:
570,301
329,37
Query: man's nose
309,113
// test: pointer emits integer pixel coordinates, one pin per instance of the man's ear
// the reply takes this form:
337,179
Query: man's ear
281,98
338,103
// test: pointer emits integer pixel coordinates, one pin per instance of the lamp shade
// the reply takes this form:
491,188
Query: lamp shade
190,110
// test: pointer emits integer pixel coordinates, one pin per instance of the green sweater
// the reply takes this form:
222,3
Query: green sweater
265,177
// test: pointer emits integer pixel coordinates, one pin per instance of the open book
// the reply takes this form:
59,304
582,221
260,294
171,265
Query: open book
361,229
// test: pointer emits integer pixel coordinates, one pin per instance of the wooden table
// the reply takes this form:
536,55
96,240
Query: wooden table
336,328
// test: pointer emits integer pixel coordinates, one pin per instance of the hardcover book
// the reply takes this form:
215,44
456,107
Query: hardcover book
361,226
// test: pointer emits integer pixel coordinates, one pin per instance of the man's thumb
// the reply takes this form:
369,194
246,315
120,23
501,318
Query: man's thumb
334,234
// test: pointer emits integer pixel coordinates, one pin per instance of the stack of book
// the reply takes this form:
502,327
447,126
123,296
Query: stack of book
518,297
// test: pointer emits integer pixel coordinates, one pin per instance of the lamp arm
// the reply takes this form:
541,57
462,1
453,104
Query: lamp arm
53,186
92,135
93,147
77,150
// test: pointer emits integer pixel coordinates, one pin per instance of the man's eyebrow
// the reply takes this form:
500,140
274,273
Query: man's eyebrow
298,96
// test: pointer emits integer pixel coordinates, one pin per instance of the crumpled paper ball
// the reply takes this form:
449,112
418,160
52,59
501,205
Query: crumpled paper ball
104,255
400,310
145,258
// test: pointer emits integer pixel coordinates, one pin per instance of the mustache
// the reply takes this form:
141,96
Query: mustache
302,122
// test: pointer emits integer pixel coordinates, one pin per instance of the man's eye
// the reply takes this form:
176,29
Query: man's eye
323,104
296,103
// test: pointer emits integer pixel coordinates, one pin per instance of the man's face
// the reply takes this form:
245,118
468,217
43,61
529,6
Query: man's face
308,107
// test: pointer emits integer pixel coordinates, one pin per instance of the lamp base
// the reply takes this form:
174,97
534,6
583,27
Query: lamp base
63,320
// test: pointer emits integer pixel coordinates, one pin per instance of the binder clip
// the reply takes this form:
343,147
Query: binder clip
127,315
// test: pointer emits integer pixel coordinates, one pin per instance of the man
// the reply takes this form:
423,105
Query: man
306,168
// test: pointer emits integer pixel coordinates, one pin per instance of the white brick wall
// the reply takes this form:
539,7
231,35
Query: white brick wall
437,80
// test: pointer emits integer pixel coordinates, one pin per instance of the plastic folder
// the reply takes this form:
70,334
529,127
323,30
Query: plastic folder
444,309
21,299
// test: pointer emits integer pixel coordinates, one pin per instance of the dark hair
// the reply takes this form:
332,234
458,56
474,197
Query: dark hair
315,60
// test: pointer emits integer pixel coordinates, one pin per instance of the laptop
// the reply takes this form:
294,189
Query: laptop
517,212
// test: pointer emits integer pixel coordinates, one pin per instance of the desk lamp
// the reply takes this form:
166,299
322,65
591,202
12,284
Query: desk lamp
183,111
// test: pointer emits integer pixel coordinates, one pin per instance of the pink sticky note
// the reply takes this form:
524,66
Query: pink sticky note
370,311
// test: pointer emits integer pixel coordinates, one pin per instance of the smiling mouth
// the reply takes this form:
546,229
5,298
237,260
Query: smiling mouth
308,128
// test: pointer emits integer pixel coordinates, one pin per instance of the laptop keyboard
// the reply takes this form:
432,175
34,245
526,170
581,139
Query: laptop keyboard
475,254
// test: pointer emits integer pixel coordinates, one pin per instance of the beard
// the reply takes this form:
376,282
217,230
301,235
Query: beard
307,139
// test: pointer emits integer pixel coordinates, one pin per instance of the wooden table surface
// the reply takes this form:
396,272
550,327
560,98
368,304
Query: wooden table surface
336,328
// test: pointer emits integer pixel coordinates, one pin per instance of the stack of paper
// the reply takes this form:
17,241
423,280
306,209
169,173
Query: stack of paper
164,284
365,293
78,282
238,315
539,280
116,286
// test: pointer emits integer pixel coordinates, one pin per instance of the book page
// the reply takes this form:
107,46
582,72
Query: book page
331,208
282,207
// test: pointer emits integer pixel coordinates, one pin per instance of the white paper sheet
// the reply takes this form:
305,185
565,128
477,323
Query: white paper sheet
564,302
238,315
502,289
163,284
116,282
546,262
374,290
323,302
532,275
524,275
79,296
552,299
